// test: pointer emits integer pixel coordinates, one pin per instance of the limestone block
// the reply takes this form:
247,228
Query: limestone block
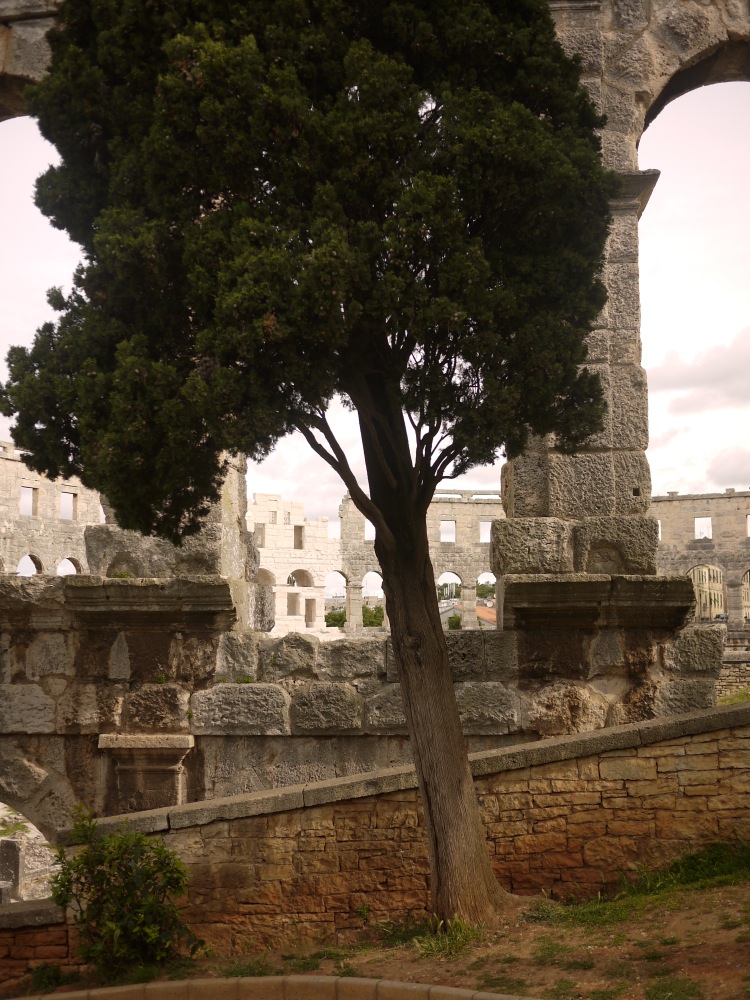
616,545
525,486
384,713
630,14
623,294
588,45
689,28
697,650
531,545
350,658
685,695
632,482
29,50
89,708
629,407
622,245
597,343
157,707
119,659
294,656
619,151
466,653
326,707
487,708
500,655
237,655
565,708
607,653
632,63
20,776
51,653
25,708
581,485
625,346
241,709
635,705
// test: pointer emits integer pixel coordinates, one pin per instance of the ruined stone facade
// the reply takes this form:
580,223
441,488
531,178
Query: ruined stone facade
295,557
40,519
465,516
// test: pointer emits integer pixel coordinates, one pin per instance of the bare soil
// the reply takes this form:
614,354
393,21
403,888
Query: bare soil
682,945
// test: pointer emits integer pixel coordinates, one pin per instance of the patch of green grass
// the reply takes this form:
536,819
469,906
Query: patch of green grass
251,967
728,923
301,963
675,988
394,934
735,698
669,940
47,977
607,994
651,955
10,826
549,952
509,959
563,989
503,984
447,939
743,938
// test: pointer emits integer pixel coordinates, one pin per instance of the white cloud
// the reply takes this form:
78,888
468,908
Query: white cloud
717,378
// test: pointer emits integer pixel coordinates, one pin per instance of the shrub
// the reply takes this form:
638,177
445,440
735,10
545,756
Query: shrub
454,621
121,888
372,617
335,619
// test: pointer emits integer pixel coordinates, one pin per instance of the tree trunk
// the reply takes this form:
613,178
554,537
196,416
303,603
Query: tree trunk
463,884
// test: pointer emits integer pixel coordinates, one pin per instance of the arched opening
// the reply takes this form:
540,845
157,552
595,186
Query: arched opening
300,578
26,859
745,597
693,258
449,587
265,578
68,567
710,601
29,565
335,599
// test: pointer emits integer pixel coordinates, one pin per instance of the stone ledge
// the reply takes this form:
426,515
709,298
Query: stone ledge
285,988
145,741
556,748
34,913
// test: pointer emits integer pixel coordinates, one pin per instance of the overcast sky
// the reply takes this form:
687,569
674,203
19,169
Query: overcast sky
695,292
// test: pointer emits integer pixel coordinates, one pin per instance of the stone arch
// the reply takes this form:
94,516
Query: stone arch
265,578
72,568
30,787
300,578
25,564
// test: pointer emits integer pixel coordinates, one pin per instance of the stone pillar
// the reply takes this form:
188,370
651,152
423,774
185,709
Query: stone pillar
149,772
469,602
733,596
386,622
353,607
12,863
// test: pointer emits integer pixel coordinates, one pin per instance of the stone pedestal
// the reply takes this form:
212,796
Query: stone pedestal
469,604
353,608
149,770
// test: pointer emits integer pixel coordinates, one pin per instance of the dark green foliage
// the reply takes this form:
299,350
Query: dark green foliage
372,617
399,202
122,888
485,590
454,622
335,619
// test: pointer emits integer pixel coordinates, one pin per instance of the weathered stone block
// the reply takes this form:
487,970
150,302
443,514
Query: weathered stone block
51,653
632,482
487,707
384,713
616,545
294,655
581,485
685,695
466,653
155,707
500,655
25,708
90,708
238,654
697,650
531,545
241,709
352,658
564,708
326,707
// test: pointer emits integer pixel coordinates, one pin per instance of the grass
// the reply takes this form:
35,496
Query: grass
675,988
10,826
503,984
549,952
447,940
736,697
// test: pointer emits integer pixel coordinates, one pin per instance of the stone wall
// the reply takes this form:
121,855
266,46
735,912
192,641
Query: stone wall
33,934
565,816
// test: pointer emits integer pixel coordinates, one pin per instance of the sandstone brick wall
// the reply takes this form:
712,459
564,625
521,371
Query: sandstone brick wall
565,815
32,934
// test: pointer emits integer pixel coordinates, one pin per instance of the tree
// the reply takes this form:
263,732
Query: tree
399,203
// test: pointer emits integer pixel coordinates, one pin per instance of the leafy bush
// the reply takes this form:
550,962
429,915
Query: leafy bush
335,619
454,622
121,888
372,617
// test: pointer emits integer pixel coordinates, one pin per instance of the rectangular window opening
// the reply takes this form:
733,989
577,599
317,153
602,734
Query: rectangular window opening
292,604
29,503
260,535
448,531
485,530
299,536
369,531
68,506
703,527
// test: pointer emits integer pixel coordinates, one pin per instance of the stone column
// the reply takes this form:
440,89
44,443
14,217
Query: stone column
353,607
149,772
469,601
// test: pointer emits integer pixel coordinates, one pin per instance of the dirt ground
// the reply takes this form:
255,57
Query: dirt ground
685,945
